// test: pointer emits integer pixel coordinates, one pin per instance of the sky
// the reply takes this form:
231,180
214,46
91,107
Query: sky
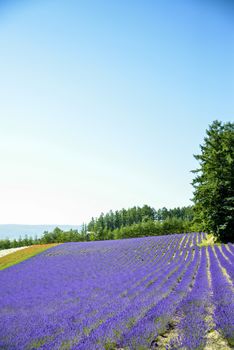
103,103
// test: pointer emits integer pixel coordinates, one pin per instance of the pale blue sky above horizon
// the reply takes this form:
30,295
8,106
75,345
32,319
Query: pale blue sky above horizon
104,103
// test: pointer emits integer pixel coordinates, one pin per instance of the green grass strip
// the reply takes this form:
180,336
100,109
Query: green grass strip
23,254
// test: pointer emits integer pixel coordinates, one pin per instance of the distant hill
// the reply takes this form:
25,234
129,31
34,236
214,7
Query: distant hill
14,231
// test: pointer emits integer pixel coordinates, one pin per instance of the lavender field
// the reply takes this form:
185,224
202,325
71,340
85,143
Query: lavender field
144,293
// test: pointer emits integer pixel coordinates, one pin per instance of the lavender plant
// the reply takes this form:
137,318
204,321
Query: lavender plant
223,299
110,294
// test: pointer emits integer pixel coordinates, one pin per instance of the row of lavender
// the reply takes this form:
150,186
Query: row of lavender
117,294
210,303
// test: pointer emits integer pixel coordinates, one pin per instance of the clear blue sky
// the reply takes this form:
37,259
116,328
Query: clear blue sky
104,103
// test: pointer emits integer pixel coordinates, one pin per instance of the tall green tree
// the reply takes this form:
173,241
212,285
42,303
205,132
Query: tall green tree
214,182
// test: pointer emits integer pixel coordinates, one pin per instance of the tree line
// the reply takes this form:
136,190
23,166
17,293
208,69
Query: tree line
144,220
124,223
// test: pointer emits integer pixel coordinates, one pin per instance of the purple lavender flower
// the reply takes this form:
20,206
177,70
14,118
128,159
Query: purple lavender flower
96,295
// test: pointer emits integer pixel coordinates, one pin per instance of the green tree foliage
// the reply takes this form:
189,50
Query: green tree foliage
124,217
60,236
26,241
213,184
139,222
153,228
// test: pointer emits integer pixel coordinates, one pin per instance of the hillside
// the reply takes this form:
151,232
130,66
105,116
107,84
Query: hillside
139,293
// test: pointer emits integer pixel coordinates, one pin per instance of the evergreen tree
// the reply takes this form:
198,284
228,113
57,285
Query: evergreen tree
214,182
